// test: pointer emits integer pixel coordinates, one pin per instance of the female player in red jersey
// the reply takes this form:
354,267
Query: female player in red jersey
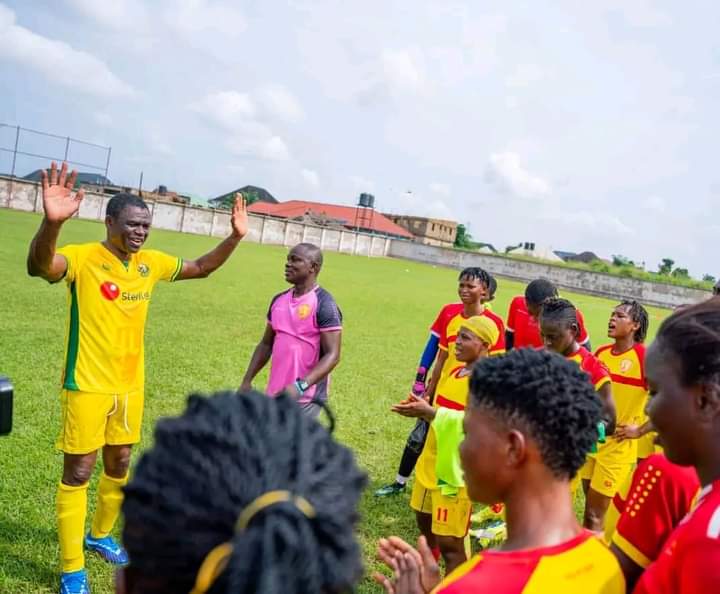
683,372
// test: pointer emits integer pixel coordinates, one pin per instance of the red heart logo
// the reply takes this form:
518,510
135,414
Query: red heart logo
110,291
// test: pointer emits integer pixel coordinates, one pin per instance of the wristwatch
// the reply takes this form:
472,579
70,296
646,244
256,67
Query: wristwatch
301,385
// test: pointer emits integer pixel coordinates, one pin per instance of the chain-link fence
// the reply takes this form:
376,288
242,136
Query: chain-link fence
24,152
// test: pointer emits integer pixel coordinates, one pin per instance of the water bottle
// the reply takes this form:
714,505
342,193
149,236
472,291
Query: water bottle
6,405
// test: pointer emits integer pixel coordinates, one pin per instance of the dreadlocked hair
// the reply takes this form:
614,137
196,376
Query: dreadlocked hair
559,310
210,463
492,287
639,315
693,336
545,396
475,273
539,290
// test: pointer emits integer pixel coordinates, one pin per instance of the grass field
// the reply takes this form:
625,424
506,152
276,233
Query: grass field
199,338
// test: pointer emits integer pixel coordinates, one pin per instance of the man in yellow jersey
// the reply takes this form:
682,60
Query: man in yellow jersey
439,497
606,471
110,286
530,420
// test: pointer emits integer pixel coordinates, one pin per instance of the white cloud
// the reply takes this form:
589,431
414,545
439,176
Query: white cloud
524,76
57,61
442,189
119,15
403,70
506,173
205,16
640,13
276,101
103,119
588,221
311,177
227,109
654,203
267,148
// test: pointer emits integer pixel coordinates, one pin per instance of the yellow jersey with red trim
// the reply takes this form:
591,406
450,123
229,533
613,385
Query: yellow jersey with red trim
452,392
627,372
448,324
107,308
599,375
582,564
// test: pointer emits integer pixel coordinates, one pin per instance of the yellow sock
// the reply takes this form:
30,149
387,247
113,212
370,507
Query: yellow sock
109,499
71,506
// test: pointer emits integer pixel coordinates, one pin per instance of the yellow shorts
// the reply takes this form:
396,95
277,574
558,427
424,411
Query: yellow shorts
646,445
605,475
90,420
450,515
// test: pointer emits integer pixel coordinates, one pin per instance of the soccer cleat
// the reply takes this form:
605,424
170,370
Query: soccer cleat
491,535
487,513
391,489
108,549
74,582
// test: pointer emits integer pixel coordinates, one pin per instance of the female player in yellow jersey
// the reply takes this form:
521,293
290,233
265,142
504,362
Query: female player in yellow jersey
439,497
110,286
531,419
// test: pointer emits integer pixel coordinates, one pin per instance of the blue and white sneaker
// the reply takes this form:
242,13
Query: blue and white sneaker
74,582
108,549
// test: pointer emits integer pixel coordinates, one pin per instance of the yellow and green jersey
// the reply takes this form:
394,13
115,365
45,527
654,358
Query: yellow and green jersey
107,304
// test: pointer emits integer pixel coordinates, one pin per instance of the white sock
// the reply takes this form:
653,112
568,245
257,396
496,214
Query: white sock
400,479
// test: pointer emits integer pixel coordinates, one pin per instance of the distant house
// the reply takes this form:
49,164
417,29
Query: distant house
251,193
586,257
83,178
438,232
332,215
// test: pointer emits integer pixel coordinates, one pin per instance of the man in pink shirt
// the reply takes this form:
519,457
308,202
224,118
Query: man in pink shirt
303,334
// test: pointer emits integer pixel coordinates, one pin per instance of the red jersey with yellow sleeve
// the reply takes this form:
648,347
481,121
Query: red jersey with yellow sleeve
599,375
582,564
648,509
627,372
689,562
107,307
526,330
447,325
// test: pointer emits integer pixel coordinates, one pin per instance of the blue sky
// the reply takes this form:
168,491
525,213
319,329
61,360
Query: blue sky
582,126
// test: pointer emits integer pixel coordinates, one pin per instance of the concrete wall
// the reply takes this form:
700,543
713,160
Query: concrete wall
582,281
25,195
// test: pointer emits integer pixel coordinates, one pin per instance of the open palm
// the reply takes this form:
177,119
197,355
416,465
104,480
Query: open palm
239,217
59,203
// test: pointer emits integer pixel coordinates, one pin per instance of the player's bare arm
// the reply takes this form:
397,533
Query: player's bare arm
210,262
608,407
330,345
260,357
59,204
437,371
633,431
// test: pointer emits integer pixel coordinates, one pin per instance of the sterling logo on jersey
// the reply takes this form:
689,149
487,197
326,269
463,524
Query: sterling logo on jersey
139,296
110,291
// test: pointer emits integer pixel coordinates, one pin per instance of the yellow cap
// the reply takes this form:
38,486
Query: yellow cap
482,327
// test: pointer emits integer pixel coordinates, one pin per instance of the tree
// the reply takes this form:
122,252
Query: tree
666,266
622,261
463,239
681,273
709,278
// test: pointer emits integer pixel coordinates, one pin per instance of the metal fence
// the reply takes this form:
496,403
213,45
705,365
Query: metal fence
23,151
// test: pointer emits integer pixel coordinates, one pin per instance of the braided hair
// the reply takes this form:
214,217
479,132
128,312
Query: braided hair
209,464
693,336
475,273
639,315
492,288
559,310
547,397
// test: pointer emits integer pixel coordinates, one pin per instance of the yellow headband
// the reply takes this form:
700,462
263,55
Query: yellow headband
482,327
217,559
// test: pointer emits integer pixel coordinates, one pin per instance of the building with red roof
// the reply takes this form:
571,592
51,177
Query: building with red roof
349,217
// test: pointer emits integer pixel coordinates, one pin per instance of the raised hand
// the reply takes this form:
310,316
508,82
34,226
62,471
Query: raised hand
59,203
239,217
